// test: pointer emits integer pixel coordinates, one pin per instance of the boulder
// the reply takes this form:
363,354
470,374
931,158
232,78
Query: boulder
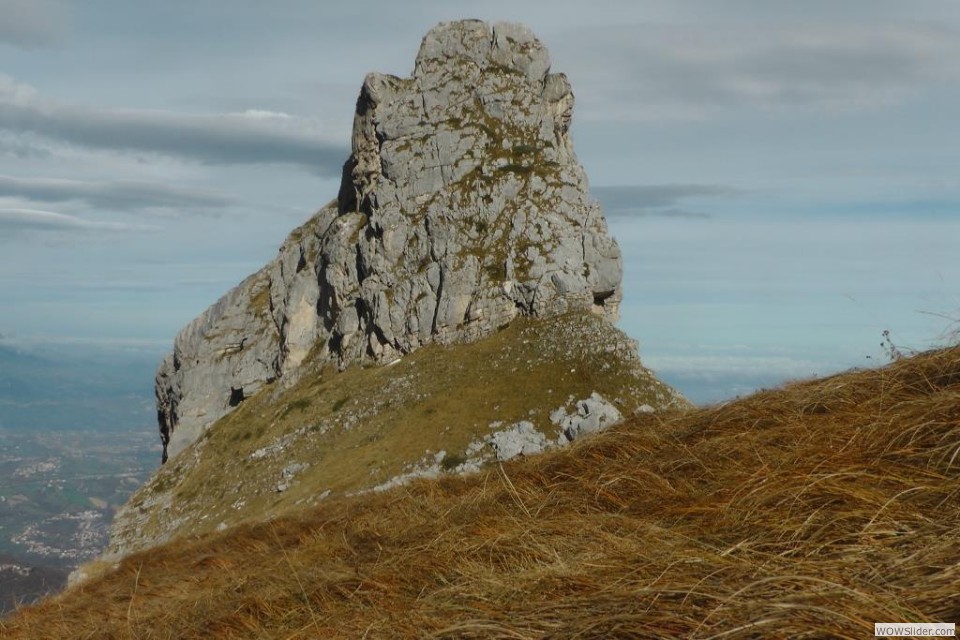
519,439
590,415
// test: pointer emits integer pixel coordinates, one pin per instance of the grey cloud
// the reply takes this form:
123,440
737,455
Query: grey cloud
31,23
34,220
686,72
143,285
677,213
251,137
114,196
22,147
657,200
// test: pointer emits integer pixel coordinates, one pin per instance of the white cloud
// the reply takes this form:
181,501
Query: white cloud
249,137
40,341
262,114
34,220
712,367
113,195
657,200
650,72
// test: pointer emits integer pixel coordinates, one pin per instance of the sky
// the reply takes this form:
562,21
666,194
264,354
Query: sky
783,177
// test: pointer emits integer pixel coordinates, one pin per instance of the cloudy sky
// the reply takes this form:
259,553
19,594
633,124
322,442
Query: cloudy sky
783,177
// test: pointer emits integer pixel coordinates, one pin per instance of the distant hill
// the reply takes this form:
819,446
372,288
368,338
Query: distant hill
67,390
19,373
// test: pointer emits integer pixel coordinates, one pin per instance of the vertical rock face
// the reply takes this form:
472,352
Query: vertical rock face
462,206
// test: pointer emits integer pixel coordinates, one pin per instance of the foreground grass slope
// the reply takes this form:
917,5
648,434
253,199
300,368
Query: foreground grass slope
812,511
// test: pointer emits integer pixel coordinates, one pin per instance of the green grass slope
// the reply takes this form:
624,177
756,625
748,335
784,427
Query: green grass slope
336,433
807,512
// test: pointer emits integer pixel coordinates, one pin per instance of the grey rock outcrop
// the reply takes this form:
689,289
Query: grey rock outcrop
462,206
591,415
521,439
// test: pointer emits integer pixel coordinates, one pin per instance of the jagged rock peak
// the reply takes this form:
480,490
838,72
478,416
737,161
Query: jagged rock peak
462,206
509,45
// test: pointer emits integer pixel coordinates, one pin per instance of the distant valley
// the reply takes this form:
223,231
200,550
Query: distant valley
76,439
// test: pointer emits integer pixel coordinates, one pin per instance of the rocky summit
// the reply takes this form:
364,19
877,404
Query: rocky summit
462,206
452,307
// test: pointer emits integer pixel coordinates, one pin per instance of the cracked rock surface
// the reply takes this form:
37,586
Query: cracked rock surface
462,206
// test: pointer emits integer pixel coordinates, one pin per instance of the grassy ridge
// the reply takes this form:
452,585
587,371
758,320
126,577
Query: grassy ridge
363,426
812,511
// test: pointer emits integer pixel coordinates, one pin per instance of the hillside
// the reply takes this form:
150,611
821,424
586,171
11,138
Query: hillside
20,582
811,511
432,412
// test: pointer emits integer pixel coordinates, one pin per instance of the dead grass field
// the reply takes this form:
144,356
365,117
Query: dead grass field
807,512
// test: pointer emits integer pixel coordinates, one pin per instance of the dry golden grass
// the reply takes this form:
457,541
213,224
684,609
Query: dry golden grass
812,511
